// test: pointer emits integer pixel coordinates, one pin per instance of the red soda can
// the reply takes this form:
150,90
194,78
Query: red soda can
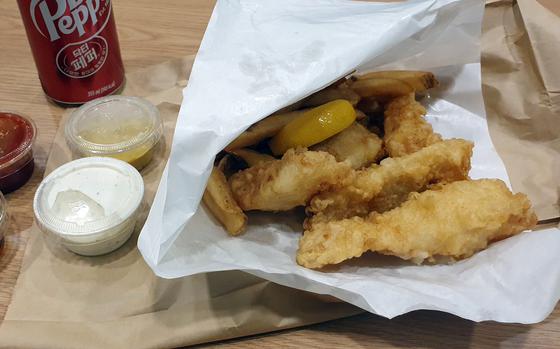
75,47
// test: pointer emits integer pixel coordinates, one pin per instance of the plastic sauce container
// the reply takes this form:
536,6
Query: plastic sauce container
124,128
91,204
4,217
17,135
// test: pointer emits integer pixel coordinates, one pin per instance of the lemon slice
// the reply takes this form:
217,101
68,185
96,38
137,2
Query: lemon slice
314,126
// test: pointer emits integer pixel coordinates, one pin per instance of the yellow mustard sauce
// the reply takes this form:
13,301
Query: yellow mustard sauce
138,156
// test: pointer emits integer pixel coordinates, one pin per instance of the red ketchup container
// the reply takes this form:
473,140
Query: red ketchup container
17,135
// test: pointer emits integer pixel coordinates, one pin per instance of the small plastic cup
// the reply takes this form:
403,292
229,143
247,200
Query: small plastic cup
18,135
91,204
121,127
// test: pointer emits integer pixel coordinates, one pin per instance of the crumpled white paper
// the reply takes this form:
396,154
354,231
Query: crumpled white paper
258,56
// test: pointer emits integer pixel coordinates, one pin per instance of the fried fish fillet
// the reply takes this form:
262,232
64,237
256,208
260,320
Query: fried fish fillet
406,130
456,221
354,144
284,184
385,186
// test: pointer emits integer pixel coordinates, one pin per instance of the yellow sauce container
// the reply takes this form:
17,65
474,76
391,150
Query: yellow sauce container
121,127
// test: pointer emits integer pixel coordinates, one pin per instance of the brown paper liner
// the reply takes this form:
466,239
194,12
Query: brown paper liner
521,87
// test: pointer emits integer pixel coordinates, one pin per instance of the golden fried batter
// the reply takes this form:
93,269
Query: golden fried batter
354,144
456,221
284,184
406,130
385,186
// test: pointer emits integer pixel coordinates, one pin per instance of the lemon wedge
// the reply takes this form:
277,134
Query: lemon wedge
314,126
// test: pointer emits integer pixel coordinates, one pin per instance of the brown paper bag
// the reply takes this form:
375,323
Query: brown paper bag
65,301
521,87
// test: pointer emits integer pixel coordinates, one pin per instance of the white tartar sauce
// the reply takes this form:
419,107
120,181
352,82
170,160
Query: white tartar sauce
91,204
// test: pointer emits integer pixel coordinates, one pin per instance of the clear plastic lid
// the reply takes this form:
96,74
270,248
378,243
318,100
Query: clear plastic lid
112,125
88,196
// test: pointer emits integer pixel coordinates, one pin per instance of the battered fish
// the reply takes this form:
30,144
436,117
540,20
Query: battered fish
456,221
355,144
280,185
406,130
385,186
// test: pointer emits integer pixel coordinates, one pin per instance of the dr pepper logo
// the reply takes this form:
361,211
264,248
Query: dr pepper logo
82,59
55,19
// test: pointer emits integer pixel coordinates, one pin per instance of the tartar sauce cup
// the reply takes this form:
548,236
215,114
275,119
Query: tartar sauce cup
90,204
121,127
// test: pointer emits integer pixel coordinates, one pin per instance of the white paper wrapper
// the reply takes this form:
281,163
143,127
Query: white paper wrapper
258,56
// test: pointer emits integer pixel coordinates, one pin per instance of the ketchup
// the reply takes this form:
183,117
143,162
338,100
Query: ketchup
17,134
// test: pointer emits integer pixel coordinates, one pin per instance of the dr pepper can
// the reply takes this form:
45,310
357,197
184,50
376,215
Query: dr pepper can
75,47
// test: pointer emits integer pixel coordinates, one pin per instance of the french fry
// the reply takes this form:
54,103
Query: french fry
340,82
224,162
383,88
362,118
289,108
219,200
331,93
419,80
370,106
263,129
252,157
360,115
228,165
